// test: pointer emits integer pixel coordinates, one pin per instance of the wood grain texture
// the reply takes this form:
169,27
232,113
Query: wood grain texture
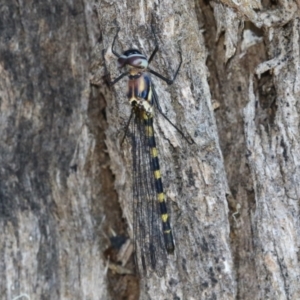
65,181
49,206
194,176
257,93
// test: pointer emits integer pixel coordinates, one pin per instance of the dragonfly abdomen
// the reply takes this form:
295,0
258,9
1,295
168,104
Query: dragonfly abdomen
166,227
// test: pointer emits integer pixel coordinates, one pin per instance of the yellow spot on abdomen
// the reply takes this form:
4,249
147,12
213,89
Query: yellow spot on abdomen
157,174
164,217
153,152
149,131
161,197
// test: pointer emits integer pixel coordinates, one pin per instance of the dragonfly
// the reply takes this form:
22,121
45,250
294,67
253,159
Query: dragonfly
153,235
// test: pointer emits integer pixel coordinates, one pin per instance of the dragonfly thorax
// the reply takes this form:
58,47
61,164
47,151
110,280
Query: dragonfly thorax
133,58
143,105
139,91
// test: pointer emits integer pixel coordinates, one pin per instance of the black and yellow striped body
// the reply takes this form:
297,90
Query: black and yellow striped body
153,234
167,232
140,96
151,227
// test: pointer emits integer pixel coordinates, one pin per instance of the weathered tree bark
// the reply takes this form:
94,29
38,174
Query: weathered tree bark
51,154
66,183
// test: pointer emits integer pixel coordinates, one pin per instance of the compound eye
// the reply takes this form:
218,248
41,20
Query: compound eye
137,61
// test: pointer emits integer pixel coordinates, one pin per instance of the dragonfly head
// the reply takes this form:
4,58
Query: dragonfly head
133,59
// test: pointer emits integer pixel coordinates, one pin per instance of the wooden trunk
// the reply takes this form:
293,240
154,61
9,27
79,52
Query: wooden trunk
65,180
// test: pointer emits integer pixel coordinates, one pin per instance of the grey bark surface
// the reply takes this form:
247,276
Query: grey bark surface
50,182
194,176
65,181
262,80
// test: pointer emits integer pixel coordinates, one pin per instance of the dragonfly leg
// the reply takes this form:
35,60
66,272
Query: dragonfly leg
113,44
167,80
111,83
156,45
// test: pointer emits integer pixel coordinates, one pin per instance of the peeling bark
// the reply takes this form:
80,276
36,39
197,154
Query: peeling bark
194,176
65,181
